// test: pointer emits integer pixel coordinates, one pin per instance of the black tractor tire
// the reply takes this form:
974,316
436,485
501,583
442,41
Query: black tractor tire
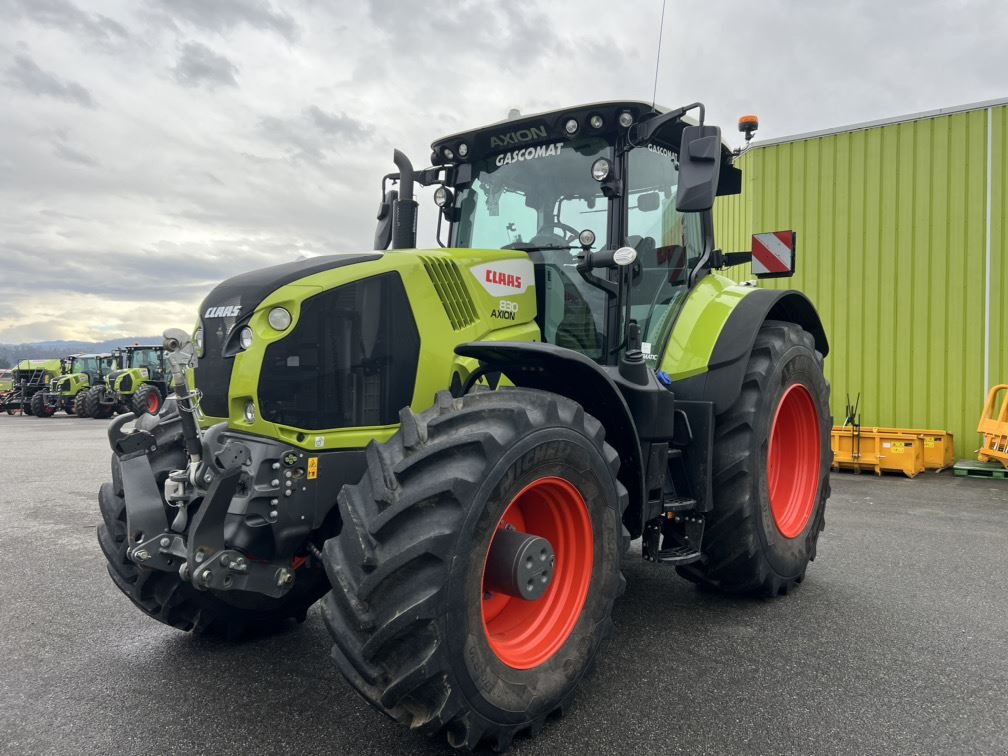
747,548
406,612
164,595
38,406
147,400
93,407
79,404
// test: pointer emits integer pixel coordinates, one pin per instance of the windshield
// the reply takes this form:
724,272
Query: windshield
85,364
145,358
668,244
542,195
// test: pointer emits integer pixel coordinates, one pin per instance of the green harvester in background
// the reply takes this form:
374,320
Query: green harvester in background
66,392
27,379
139,384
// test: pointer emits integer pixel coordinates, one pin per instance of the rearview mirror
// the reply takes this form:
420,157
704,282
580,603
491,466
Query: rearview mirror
648,202
699,168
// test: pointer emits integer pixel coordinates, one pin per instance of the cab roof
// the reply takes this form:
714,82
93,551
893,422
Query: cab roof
525,130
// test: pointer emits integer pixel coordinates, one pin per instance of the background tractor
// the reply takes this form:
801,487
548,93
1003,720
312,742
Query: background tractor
140,384
28,378
454,447
66,392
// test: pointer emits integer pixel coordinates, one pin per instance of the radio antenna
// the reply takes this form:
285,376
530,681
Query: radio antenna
661,26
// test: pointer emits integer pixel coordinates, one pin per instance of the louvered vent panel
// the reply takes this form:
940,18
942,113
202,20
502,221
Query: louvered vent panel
447,280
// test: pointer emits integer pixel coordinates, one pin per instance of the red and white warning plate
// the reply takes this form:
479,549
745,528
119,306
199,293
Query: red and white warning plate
773,254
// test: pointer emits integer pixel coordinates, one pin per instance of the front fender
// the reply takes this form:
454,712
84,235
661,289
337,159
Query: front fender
571,374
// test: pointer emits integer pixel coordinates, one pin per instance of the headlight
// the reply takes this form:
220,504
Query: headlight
626,119
442,196
571,126
596,122
198,341
279,319
600,169
250,414
245,337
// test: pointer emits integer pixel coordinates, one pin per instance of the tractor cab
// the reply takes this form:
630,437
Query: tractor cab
570,188
94,366
148,359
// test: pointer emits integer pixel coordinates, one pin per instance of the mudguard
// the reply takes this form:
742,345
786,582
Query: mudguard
571,374
722,380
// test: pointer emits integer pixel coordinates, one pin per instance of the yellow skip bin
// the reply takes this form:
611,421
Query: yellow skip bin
906,450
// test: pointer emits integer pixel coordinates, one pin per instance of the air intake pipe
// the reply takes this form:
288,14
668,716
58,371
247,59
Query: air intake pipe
405,208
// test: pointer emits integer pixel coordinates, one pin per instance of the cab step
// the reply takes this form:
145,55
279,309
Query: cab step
678,504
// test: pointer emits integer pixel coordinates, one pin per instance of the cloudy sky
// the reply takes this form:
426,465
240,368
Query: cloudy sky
150,148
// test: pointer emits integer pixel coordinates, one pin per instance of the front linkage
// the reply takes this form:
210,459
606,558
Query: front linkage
214,480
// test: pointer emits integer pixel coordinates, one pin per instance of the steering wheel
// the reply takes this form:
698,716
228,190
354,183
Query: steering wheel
546,234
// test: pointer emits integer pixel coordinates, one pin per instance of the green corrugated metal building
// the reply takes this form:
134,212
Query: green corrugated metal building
902,233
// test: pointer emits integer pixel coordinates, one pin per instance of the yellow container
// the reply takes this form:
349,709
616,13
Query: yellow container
878,449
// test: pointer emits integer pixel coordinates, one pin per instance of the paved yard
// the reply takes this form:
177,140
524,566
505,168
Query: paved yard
897,642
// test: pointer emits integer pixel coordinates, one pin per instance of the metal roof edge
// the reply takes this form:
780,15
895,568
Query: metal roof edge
982,105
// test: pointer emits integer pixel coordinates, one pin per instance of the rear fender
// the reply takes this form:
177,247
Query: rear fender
722,380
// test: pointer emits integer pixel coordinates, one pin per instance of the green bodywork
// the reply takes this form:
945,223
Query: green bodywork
68,386
51,366
693,329
438,335
138,377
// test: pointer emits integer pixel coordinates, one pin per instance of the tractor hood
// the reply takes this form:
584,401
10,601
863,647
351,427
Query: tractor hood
229,306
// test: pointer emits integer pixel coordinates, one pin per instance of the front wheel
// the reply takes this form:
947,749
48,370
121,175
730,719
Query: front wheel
147,399
79,406
39,408
475,574
772,457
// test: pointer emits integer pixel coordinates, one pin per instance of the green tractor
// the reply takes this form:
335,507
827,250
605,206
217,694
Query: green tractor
28,378
453,448
139,385
66,392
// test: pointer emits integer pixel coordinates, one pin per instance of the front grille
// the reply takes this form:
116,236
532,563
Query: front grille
213,369
349,362
454,296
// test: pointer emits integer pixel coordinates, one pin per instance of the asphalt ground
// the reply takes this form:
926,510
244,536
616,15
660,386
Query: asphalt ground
897,641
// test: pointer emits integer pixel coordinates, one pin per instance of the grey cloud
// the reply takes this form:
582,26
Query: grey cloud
74,156
200,66
223,15
64,15
26,74
511,33
338,124
314,132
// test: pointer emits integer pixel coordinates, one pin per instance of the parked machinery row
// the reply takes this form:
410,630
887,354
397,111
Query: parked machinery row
128,379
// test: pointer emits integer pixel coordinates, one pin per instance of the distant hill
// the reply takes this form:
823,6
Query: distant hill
11,353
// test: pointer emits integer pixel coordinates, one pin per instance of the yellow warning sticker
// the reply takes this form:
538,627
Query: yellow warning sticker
929,443
897,447
312,468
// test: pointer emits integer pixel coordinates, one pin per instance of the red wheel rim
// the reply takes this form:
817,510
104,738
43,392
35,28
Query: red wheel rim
153,403
794,459
524,634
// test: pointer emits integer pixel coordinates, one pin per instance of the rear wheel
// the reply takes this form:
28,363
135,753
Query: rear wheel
772,456
163,595
147,399
475,574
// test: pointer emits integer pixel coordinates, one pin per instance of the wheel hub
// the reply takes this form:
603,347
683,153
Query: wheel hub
519,564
